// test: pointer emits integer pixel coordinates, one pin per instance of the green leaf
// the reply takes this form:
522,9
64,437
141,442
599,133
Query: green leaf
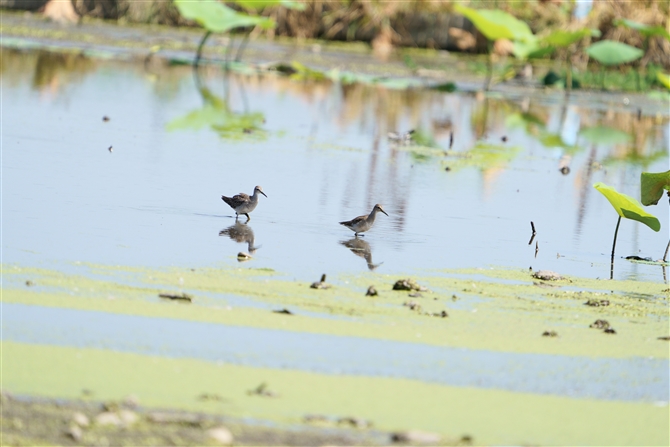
652,185
605,135
646,30
664,79
217,17
560,38
496,24
260,4
609,52
627,206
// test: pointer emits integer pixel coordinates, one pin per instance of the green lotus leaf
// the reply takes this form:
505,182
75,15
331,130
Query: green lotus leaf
664,79
609,52
560,38
652,185
627,206
260,4
496,24
217,17
645,30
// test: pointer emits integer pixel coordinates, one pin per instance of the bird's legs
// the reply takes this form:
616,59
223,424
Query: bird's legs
248,218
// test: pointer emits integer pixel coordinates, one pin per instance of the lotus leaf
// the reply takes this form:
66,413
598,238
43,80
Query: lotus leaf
627,206
652,185
260,4
664,79
217,17
496,24
645,30
560,38
609,52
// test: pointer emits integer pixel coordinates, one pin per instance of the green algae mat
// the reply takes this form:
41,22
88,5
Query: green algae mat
493,356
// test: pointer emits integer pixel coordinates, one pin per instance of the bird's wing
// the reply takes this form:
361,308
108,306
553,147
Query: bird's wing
354,221
237,200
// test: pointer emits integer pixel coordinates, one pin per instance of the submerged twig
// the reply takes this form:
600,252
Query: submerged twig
532,237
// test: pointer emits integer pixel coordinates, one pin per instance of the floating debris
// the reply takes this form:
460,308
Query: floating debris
315,418
371,291
547,275
159,417
262,390
597,303
504,139
321,284
210,397
600,324
105,118
413,305
451,139
110,149
447,169
550,334
537,248
283,311
29,283
565,170
638,258
664,337
354,422
442,314
180,296
609,330
408,284
415,295
416,437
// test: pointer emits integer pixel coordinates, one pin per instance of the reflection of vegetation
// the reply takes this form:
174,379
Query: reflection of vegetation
50,68
484,156
217,115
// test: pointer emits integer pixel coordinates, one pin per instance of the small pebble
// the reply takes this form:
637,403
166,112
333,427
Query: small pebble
80,419
74,432
108,418
221,435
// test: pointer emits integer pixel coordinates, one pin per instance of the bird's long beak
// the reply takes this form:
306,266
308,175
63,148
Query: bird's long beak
262,193
383,211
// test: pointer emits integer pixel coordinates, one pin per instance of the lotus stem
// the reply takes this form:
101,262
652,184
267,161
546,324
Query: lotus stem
242,46
568,76
665,255
198,53
616,232
489,74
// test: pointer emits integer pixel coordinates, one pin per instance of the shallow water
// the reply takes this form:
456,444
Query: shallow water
630,379
322,157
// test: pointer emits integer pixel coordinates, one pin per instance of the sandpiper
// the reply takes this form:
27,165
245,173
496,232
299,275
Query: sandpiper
361,224
242,203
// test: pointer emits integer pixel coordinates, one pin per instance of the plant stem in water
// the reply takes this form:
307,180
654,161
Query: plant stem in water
198,54
616,231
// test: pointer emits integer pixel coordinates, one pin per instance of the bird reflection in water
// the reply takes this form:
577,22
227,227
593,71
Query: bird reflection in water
361,248
241,232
